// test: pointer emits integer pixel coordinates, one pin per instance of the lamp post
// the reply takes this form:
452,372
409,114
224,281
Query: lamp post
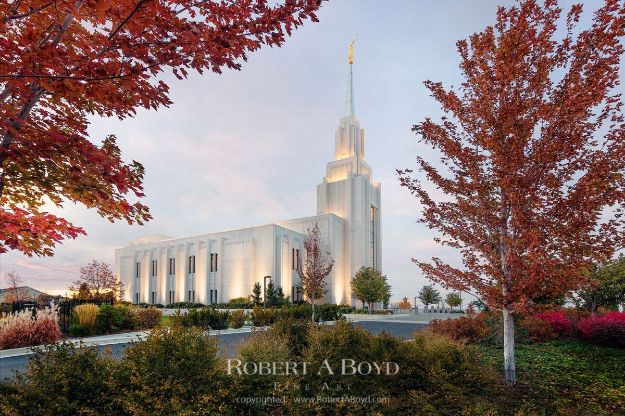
415,305
265,289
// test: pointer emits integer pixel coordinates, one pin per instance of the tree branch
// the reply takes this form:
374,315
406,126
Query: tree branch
15,16
123,23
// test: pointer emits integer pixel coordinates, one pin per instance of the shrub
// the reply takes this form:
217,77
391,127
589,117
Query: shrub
175,371
327,312
86,315
185,305
343,309
64,379
295,331
263,316
237,318
206,318
436,375
148,318
113,318
607,330
302,311
470,328
239,303
537,330
261,346
28,328
559,322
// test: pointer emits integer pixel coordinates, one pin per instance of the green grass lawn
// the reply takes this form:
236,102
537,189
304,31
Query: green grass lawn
566,378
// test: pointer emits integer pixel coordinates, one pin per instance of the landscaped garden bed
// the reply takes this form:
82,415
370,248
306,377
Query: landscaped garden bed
178,370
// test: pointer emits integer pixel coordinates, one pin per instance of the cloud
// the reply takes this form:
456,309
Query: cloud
250,147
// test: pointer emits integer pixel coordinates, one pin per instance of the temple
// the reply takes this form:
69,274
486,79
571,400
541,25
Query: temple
218,266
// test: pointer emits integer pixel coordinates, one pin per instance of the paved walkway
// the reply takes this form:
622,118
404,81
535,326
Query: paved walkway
421,317
119,338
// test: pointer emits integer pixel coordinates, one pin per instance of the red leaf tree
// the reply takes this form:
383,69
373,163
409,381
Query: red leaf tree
100,282
532,145
318,264
65,60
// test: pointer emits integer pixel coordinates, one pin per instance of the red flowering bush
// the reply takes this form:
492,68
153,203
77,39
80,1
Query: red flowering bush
25,329
558,320
607,330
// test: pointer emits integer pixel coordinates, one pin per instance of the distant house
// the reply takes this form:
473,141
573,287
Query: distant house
25,292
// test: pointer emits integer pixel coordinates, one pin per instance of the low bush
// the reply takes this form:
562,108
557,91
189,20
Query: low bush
64,379
263,316
185,305
295,331
343,309
267,316
149,317
28,328
558,320
175,371
260,347
436,375
86,315
205,318
535,329
607,330
237,318
301,311
327,312
470,328
113,318
238,303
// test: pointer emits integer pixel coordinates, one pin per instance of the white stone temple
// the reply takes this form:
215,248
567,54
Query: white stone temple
219,266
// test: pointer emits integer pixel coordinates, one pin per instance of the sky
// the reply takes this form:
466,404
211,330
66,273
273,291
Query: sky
249,147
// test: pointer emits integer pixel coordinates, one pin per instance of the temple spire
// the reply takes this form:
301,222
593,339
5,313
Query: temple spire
349,99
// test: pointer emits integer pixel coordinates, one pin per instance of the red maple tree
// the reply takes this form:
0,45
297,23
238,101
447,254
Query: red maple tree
64,60
533,158
316,267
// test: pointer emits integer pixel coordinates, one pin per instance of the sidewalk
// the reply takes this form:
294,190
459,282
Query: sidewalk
403,317
111,339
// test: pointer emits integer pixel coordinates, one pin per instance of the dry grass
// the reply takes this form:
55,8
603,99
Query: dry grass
87,314
23,329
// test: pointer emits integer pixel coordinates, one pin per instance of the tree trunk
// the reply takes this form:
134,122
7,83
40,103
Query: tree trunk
508,347
370,307
313,310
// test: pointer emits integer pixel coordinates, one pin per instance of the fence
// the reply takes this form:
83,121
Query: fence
66,308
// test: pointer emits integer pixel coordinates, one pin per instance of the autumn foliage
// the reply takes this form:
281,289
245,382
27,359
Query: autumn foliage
608,330
557,320
532,147
470,328
64,61
25,328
